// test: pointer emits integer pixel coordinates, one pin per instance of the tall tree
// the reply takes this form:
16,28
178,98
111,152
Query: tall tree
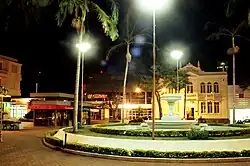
127,39
232,33
165,78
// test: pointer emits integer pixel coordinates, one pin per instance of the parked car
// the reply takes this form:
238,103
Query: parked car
246,121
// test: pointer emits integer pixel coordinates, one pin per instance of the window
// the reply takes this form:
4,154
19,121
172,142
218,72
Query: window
203,88
190,87
1,66
14,68
216,87
216,107
209,87
170,90
209,107
203,107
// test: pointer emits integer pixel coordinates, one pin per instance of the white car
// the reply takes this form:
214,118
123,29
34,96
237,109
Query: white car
246,121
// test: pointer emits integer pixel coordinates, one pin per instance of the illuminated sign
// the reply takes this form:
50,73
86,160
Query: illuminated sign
97,96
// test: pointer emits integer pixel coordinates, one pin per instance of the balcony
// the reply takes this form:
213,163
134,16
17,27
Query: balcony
3,71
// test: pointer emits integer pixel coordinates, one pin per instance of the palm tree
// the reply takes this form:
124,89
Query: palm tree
126,40
234,33
80,9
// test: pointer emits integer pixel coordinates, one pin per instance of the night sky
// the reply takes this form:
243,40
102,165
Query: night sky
45,47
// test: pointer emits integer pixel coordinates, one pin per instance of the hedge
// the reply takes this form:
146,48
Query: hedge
145,153
167,133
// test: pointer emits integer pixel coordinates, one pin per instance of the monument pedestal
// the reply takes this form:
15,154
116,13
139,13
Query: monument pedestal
171,120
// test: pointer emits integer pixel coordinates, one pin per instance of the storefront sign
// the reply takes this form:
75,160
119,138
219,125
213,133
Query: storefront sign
50,107
97,96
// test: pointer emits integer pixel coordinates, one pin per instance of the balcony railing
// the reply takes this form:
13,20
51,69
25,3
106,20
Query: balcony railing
3,71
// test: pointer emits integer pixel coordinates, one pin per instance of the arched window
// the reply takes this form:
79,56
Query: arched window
216,87
190,87
209,87
203,87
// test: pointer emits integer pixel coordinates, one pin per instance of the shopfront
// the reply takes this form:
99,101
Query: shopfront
52,109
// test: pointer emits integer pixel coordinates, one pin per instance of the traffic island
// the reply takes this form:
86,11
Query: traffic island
53,140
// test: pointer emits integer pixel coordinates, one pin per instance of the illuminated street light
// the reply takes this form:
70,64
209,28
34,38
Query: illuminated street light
83,47
176,54
154,5
138,90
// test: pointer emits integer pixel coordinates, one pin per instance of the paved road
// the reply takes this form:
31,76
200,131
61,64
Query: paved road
24,148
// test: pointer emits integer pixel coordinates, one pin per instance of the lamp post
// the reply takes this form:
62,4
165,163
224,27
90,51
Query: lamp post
83,47
176,54
153,5
3,92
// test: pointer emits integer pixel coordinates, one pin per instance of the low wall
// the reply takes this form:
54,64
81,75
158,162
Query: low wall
27,124
160,145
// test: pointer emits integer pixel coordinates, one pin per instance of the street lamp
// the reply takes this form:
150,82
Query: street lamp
83,47
154,5
176,54
138,90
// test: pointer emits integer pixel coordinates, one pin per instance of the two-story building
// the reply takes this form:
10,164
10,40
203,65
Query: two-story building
206,95
10,75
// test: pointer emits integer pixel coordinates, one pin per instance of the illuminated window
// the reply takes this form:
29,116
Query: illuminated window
203,87
209,87
209,107
216,107
203,107
190,87
216,87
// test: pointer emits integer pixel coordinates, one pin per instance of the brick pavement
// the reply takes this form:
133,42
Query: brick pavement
24,148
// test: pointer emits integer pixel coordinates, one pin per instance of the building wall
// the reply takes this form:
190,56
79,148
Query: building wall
10,75
196,98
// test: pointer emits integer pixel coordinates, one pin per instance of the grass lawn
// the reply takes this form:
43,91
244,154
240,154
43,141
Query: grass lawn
87,132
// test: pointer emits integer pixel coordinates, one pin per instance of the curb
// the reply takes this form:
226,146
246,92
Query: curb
146,159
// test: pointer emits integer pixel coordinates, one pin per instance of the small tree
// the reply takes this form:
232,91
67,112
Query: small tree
126,41
165,78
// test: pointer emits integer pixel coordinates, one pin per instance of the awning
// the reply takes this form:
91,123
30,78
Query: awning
50,107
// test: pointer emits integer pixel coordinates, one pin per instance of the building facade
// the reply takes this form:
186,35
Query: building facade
206,96
242,103
10,75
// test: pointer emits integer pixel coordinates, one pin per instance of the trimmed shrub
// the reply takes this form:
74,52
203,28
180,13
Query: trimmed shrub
137,120
142,153
166,133
197,135
49,138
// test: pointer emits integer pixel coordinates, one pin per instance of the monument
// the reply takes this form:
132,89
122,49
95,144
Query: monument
171,120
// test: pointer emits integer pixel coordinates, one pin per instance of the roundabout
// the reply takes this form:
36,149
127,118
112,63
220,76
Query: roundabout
233,146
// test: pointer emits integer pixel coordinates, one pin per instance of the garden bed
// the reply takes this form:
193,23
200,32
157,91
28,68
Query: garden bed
240,130
49,138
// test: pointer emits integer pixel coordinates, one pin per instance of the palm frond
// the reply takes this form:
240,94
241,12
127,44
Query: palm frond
109,23
114,48
69,7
